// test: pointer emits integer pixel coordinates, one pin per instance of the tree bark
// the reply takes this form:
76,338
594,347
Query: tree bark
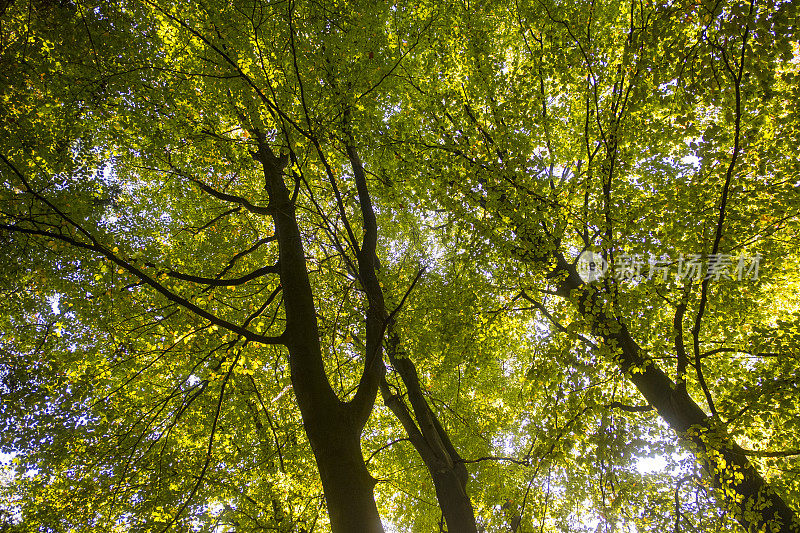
756,505
431,441
333,427
347,484
454,502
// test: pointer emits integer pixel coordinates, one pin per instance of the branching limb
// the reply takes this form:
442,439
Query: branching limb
736,79
171,296
225,197
215,282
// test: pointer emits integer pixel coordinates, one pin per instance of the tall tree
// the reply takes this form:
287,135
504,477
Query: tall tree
195,317
551,140
250,121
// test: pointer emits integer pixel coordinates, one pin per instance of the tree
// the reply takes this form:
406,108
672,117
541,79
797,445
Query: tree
198,190
536,217
333,426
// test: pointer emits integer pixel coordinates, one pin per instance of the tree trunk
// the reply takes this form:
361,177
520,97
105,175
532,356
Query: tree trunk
431,442
446,468
754,502
346,482
454,501
333,427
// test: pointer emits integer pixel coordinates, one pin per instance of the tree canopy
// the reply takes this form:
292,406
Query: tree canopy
436,266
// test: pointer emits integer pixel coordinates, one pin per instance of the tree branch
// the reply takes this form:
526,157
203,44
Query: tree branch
171,296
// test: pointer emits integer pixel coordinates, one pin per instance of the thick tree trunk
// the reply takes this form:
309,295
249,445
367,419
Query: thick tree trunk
333,427
347,484
755,504
454,501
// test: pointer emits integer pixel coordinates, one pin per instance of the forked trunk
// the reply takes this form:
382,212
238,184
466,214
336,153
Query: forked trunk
333,427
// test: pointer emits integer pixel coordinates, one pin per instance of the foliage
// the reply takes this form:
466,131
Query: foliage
145,376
